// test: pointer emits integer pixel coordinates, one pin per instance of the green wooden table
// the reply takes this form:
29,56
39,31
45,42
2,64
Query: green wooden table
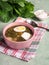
42,57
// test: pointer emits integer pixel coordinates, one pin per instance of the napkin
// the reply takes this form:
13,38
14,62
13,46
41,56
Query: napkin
41,14
27,53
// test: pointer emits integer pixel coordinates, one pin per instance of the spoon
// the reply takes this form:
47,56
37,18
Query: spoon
34,24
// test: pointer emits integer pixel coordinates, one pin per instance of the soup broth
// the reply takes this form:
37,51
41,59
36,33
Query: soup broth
18,33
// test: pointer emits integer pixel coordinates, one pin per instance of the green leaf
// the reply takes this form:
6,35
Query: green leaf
4,16
16,1
21,4
17,11
5,6
29,6
5,0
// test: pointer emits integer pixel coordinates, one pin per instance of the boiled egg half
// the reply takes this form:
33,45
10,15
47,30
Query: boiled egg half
20,29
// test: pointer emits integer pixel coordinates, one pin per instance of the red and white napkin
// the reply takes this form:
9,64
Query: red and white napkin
25,54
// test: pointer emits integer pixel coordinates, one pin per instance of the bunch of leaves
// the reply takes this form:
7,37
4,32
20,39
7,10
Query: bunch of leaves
13,8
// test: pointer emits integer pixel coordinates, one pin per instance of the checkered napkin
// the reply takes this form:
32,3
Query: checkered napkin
28,53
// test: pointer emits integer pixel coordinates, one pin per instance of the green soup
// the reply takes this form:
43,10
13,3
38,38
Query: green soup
23,34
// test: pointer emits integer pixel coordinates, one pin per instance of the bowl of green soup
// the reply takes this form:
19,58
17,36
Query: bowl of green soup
18,35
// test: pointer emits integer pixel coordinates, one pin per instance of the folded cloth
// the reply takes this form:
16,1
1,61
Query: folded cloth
28,53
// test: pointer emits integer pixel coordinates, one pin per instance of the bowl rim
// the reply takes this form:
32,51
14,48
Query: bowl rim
22,23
